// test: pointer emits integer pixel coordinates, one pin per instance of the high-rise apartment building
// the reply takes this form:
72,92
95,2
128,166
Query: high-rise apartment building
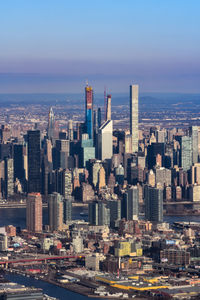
9,177
34,212
34,161
67,184
153,203
134,116
89,111
70,130
55,210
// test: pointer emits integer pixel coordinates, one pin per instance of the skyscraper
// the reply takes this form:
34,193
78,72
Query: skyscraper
153,203
115,211
33,161
89,111
105,142
9,177
108,108
51,125
34,212
70,130
67,184
87,150
55,210
130,204
185,158
99,213
18,162
99,117
61,154
194,133
67,210
134,116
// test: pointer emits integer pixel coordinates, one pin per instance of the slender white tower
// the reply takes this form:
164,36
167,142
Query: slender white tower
134,116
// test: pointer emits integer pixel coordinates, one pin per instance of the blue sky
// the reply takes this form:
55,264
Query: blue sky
54,46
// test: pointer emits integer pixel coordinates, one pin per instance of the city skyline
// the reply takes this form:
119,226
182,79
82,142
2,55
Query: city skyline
99,149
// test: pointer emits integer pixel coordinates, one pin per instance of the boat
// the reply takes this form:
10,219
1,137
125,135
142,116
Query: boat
83,214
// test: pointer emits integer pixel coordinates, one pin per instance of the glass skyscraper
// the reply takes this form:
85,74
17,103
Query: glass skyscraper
153,203
185,152
89,111
33,161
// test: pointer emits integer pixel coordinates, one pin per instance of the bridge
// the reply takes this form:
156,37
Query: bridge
39,259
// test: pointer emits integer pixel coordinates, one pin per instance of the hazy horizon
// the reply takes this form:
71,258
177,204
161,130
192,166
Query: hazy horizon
49,46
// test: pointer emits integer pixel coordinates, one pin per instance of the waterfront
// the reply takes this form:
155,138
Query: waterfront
17,217
49,289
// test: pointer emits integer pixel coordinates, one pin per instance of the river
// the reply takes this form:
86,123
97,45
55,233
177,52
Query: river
17,217
49,289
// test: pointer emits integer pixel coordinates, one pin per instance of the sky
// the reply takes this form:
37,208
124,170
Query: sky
57,45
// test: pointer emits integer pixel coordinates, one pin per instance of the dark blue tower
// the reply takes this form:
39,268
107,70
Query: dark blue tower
89,111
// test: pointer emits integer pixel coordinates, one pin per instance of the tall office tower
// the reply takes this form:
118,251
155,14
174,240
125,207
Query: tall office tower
18,162
152,151
130,203
160,136
34,212
70,130
99,117
33,161
61,153
45,176
134,116
105,142
194,133
67,210
9,177
99,213
87,150
115,211
108,108
185,157
153,203
89,111
55,210
51,125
